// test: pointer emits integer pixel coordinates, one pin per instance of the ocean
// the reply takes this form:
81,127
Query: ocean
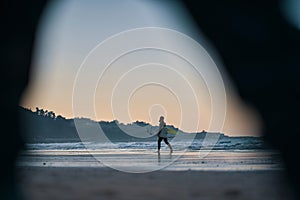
138,157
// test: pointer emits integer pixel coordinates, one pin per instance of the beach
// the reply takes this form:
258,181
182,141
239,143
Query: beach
133,172
105,183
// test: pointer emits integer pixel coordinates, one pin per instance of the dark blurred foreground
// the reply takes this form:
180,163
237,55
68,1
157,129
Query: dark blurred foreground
18,23
48,183
261,51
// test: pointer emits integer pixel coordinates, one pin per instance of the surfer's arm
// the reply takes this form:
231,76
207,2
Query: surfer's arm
160,128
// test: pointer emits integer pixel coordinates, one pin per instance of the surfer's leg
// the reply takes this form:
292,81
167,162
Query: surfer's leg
166,141
171,149
158,143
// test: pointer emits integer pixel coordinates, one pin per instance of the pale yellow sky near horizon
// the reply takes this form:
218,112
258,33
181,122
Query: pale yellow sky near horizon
70,29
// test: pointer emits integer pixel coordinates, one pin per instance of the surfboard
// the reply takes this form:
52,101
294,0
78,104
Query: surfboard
171,131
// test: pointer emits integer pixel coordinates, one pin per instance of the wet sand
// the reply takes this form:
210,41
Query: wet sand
104,183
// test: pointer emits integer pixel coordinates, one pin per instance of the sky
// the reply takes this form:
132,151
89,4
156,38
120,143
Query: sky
141,85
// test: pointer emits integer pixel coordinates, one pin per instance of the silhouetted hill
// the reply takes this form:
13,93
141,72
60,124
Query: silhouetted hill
40,126
44,126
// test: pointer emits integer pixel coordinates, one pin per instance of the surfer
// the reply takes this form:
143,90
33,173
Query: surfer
163,134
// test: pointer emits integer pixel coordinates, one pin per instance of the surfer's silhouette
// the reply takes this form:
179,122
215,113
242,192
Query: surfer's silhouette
163,134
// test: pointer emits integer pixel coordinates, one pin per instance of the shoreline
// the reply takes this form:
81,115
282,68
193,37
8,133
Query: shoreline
141,160
166,169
